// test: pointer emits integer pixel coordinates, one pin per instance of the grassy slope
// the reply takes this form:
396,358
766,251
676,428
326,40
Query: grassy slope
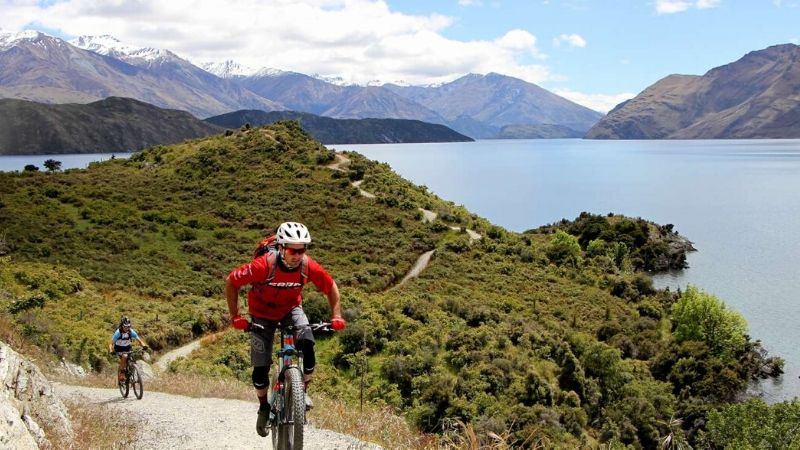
490,334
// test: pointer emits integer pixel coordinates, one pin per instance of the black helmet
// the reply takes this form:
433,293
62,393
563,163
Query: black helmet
125,322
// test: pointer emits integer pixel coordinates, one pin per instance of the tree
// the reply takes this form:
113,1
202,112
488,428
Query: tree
31,168
754,424
52,165
564,249
700,316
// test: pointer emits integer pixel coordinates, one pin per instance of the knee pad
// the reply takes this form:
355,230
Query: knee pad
309,357
261,377
306,335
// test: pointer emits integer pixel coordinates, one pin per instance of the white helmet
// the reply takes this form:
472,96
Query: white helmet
293,233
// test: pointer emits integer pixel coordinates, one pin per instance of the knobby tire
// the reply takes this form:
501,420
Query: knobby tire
290,428
296,408
136,380
125,386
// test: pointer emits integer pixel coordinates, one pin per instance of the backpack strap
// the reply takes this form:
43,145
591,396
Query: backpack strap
272,261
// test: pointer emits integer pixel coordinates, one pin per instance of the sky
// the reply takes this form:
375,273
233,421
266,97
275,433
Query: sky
594,52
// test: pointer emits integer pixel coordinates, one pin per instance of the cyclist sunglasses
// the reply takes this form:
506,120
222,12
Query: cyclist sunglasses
295,251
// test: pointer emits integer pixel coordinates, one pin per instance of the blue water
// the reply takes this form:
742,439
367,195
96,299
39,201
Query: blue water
738,201
68,161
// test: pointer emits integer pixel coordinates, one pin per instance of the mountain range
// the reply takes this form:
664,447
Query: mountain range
42,68
346,131
757,96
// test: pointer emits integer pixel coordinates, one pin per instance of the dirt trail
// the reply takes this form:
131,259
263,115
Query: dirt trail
171,421
417,268
340,161
163,362
363,192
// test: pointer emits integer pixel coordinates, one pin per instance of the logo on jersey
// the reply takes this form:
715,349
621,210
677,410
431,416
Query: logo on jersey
285,284
243,272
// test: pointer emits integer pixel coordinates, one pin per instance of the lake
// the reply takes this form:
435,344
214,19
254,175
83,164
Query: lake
68,161
736,200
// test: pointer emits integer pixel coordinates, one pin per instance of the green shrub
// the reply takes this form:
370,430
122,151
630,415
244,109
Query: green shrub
754,424
700,316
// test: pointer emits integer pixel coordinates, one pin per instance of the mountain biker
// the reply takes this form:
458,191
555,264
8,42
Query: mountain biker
121,343
275,297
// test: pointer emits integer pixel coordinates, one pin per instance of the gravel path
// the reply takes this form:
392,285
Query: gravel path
417,268
163,362
363,192
171,421
179,352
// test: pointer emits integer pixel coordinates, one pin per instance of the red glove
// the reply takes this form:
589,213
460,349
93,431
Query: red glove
240,323
338,324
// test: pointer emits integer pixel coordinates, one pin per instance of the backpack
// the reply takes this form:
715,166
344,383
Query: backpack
269,247
268,244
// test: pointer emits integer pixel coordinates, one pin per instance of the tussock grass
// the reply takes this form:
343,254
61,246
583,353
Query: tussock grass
380,425
97,427
22,346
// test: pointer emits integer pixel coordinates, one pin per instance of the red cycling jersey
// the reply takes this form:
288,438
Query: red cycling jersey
274,300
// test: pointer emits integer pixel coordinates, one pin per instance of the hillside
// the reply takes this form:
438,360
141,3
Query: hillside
546,338
754,97
346,131
111,125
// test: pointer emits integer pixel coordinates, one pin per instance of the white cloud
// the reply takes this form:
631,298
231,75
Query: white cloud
574,40
359,40
470,2
676,6
706,4
598,102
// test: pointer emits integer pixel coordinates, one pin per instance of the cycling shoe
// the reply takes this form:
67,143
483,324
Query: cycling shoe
261,423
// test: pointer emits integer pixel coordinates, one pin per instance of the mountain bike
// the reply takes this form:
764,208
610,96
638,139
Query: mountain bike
132,376
287,394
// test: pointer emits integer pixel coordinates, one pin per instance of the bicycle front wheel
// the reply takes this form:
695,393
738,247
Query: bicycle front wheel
124,386
295,409
136,381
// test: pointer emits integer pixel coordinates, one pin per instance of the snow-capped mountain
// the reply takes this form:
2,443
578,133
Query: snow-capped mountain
268,72
9,40
110,46
335,80
38,67
230,69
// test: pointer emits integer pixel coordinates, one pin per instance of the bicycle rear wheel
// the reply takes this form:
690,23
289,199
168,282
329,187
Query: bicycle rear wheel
136,381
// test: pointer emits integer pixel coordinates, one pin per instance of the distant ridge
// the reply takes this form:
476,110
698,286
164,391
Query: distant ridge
347,131
754,97
481,105
112,125
46,69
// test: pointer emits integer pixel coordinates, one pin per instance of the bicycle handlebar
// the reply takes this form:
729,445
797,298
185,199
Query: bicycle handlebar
322,326
134,351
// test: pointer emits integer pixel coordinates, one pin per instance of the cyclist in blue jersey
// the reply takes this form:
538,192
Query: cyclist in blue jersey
121,343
